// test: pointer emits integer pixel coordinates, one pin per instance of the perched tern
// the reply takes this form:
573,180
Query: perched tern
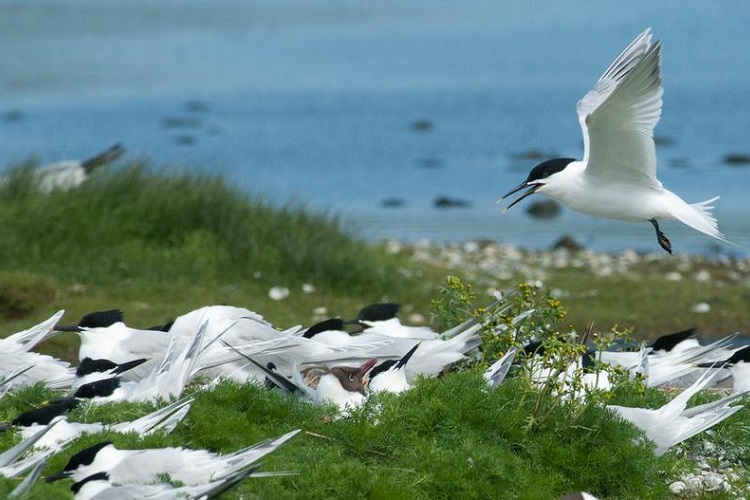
69,174
674,422
617,177
98,487
383,319
190,467
739,365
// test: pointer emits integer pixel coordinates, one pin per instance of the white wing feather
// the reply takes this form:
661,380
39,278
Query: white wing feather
619,114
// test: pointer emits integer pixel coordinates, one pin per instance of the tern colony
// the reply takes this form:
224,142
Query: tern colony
325,364
328,364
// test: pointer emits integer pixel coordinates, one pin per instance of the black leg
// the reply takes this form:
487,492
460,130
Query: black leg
663,240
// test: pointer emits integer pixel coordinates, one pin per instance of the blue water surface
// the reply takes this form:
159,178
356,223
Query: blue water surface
341,106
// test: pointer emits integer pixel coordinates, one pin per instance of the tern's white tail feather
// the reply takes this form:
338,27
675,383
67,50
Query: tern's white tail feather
699,217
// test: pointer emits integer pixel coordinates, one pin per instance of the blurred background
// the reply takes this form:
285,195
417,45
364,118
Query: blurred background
409,119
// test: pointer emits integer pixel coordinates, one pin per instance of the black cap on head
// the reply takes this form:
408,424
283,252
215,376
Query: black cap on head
379,312
547,168
98,388
88,365
98,319
84,457
741,355
667,342
102,319
324,326
46,413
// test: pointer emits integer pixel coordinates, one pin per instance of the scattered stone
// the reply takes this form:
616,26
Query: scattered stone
679,162
423,125
180,122
392,203
702,276
447,202
531,154
545,209
701,308
11,116
713,481
677,487
320,311
673,276
185,139
308,288
736,159
196,106
568,243
664,141
278,293
416,319
429,163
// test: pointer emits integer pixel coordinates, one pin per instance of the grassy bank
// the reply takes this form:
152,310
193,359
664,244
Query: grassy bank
157,243
160,244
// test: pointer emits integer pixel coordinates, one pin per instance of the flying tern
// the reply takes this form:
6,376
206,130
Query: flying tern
617,177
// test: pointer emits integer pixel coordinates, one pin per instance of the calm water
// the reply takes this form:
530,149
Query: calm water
342,105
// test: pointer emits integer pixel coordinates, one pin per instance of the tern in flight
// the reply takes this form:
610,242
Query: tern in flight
617,177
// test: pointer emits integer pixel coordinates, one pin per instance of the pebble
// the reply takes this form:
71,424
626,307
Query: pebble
486,262
701,308
278,293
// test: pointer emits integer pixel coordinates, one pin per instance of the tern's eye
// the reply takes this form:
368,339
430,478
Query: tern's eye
351,377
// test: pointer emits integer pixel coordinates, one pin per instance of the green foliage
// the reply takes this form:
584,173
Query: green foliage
22,293
446,438
132,224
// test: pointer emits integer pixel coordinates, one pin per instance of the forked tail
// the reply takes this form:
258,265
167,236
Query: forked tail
699,217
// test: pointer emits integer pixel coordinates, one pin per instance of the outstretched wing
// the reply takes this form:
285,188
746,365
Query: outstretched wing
619,114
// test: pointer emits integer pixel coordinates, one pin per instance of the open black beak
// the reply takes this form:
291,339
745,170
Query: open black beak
533,188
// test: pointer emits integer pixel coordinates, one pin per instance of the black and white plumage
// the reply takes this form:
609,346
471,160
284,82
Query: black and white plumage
20,366
390,375
190,467
674,422
68,174
617,177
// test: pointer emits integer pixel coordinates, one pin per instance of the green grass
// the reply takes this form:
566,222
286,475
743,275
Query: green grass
135,225
159,244
446,438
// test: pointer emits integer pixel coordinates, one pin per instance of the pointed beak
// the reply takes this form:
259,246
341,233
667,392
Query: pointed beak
367,366
533,188
57,476
67,328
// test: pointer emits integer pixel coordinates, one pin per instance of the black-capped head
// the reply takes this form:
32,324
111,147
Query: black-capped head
669,341
537,178
98,388
324,326
378,312
45,414
83,457
741,356
88,366
98,319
